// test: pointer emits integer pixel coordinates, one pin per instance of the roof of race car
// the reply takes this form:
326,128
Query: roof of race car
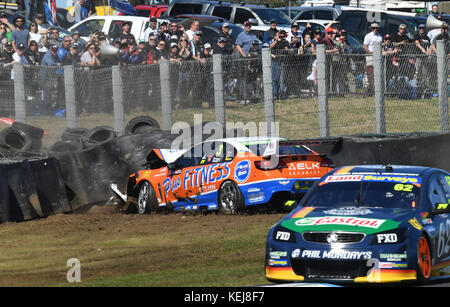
383,169
241,143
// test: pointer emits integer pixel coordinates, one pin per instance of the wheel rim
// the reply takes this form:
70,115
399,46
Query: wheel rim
228,197
142,199
424,257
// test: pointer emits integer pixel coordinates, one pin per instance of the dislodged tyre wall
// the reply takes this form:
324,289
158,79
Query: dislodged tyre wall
431,150
31,189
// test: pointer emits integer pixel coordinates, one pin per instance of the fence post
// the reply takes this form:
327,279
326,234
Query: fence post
442,71
322,91
218,90
269,107
19,92
378,79
166,103
119,117
69,89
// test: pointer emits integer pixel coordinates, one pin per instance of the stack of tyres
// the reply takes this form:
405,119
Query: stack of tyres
21,139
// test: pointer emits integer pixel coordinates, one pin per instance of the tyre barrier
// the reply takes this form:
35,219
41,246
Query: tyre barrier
31,189
74,135
19,140
65,146
97,136
141,124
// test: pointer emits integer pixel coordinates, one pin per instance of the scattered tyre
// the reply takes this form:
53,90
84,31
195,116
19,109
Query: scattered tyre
146,201
32,131
98,135
74,135
231,200
141,124
19,140
65,146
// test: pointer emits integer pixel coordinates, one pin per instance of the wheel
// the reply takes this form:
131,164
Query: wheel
231,200
146,201
141,124
423,260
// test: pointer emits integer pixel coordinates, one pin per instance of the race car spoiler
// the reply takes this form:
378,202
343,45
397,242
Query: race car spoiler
322,146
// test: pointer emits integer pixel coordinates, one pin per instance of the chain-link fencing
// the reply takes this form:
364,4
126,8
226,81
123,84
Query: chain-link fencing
308,94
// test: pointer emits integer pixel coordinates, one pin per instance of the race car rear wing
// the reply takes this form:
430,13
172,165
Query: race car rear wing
321,146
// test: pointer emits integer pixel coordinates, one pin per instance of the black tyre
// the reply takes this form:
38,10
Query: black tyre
98,135
230,199
65,146
17,140
141,124
74,135
32,131
146,201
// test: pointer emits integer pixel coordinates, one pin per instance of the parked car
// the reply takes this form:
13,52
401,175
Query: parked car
356,23
312,12
111,25
149,10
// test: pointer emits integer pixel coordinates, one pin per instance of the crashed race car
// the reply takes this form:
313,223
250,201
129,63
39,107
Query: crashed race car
365,224
227,174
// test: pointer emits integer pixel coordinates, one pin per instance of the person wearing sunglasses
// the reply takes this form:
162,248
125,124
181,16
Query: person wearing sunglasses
19,35
65,57
32,53
245,40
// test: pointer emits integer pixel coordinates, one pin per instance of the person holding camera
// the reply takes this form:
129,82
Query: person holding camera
91,56
279,45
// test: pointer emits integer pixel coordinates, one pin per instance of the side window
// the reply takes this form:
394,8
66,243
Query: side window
445,181
436,193
208,36
222,11
242,15
185,8
115,29
352,24
323,14
90,26
306,15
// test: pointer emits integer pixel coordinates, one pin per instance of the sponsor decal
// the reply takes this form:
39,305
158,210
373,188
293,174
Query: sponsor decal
394,257
277,254
242,171
443,247
336,254
273,262
415,223
387,238
373,178
350,221
282,236
283,182
303,212
348,211
300,166
295,253
342,223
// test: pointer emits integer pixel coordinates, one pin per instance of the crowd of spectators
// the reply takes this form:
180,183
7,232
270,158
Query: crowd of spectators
406,67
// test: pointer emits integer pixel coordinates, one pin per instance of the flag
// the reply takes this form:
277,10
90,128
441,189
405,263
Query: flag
50,12
123,6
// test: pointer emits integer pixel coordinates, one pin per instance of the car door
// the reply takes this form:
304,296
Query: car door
439,193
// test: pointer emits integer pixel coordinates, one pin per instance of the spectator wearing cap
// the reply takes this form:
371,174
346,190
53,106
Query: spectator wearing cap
389,52
197,69
197,46
65,57
126,37
219,48
153,53
32,53
75,51
401,39
152,29
91,56
441,36
332,48
245,39
19,35
279,45
423,50
164,32
54,38
195,24
76,38
225,36
7,52
39,20
269,35
294,37
48,77
372,38
206,80
316,39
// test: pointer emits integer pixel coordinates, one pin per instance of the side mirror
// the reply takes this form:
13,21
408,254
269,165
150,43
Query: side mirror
439,208
253,21
171,166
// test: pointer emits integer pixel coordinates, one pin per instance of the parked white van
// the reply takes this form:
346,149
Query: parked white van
111,25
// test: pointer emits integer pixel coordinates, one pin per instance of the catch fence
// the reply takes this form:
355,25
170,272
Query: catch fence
308,94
